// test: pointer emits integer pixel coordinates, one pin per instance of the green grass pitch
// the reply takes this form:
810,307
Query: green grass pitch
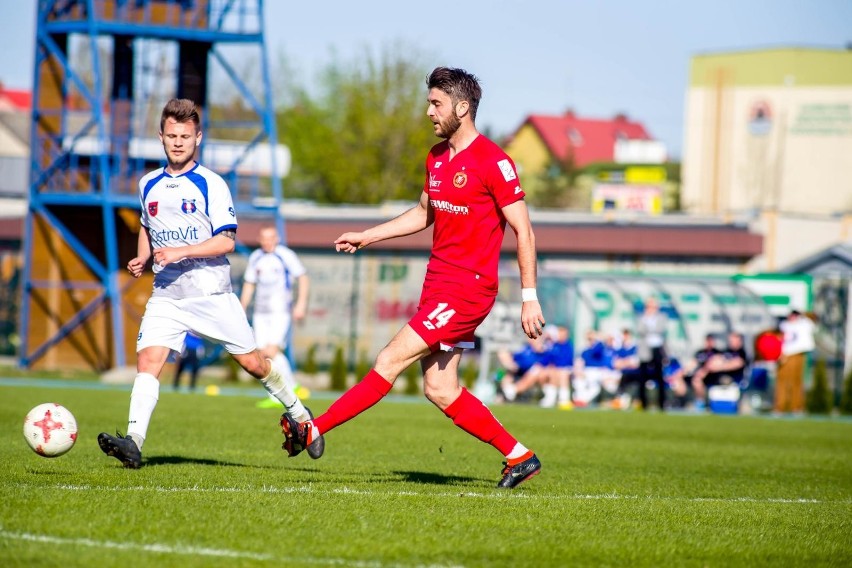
401,486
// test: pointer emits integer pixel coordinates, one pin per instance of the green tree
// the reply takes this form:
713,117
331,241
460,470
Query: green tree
469,373
363,135
362,365
337,371
412,379
310,366
846,398
819,398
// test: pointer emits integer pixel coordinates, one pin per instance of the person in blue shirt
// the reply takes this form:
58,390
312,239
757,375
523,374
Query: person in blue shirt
524,367
190,360
675,377
593,369
626,362
556,387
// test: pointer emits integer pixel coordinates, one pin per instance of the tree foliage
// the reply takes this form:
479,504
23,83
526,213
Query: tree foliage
412,379
337,370
846,398
819,399
362,137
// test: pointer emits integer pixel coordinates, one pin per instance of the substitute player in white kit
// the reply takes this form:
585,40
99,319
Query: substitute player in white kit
188,226
272,273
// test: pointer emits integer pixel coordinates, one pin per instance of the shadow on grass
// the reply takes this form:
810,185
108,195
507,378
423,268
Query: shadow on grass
433,478
179,460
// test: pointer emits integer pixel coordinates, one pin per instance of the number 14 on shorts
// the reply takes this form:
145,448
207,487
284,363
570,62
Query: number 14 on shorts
439,317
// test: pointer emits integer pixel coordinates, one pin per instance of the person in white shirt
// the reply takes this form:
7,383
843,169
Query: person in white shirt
188,226
272,273
798,333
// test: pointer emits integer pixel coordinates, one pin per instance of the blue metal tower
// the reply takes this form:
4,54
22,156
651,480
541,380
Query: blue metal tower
103,71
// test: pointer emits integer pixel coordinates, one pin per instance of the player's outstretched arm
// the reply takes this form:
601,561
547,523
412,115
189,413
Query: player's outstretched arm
412,221
246,294
518,218
300,309
143,252
217,245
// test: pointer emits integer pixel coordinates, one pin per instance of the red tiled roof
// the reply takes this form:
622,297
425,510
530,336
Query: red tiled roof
594,139
15,98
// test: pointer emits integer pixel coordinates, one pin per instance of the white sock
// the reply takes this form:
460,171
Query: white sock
517,451
276,386
143,400
549,398
564,395
510,391
281,363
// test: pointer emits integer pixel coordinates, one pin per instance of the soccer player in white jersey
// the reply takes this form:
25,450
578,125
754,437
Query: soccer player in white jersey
272,272
188,226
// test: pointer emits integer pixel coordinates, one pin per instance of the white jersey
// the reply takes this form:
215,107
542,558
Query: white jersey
186,210
273,274
798,336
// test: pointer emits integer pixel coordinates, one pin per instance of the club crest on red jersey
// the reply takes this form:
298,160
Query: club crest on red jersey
188,206
460,179
152,208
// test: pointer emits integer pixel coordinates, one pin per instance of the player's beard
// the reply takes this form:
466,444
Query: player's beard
448,127
179,162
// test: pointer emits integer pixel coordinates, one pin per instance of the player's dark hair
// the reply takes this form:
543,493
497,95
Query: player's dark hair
182,110
459,84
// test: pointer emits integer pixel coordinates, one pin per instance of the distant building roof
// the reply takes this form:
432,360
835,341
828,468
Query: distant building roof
832,261
586,140
558,233
15,99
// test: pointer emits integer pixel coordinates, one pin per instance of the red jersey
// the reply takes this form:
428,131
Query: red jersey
466,195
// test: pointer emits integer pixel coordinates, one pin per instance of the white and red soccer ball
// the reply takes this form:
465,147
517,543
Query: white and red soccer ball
50,429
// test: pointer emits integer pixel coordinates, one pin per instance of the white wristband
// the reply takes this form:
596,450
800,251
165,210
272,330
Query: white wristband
528,295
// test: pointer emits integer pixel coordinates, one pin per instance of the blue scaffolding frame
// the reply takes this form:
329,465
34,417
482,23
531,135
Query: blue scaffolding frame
59,166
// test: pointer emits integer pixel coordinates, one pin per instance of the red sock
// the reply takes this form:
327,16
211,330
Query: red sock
468,413
353,402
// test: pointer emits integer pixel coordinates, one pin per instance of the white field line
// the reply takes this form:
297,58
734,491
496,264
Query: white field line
496,495
187,550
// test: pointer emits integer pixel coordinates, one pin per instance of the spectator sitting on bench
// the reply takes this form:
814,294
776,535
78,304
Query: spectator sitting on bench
721,368
593,369
524,368
560,357
626,361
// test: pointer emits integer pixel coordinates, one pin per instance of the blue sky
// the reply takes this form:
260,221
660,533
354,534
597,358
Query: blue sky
598,58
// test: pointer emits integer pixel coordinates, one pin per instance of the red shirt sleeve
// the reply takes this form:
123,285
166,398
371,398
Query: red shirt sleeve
503,180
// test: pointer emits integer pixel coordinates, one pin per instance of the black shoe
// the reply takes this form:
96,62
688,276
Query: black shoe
295,435
517,474
124,449
317,447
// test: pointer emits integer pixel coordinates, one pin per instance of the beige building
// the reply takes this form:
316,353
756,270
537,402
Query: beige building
769,139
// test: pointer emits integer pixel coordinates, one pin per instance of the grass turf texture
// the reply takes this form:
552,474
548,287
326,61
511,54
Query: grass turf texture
401,486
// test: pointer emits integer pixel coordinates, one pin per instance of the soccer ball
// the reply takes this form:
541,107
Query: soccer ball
50,429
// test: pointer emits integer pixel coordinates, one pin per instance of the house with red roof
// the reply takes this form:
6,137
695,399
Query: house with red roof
15,100
572,142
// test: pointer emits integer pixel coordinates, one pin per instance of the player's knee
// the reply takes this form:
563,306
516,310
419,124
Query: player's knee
254,364
388,366
440,395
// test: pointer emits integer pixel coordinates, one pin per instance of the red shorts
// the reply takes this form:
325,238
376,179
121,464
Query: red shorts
449,312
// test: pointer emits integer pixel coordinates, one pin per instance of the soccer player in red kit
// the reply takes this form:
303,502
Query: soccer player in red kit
471,192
